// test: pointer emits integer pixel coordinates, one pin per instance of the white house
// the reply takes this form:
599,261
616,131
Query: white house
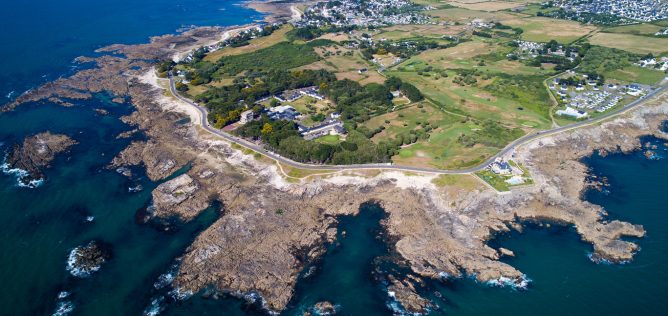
569,111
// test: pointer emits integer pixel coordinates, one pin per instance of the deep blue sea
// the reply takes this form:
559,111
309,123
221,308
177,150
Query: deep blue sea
40,226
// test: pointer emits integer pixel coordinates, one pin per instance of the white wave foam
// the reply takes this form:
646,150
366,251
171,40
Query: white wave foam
396,307
75,270
19,174
63,308
63,294
10,94
155,307
180,295
90,218
166,279
598,260
516,283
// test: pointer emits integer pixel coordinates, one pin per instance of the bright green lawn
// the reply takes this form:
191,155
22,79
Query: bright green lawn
329,139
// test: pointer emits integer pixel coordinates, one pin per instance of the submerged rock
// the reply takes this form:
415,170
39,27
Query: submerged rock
324,308
37,152
84,260
506,252
404,292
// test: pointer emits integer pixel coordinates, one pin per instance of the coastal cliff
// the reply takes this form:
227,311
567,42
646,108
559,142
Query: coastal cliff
270,228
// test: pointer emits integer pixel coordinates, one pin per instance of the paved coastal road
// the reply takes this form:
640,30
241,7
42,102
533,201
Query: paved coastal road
509,148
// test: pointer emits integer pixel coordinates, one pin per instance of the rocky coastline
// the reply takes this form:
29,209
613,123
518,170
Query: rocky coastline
269,228
34,154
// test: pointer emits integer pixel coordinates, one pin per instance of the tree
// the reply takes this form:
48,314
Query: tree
181,87
266,129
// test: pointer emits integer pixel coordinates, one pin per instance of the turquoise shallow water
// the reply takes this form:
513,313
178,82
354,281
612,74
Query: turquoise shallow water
40,226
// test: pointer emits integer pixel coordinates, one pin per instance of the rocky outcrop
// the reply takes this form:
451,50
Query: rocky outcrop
324,308
159,163
404,292
181,196
84,260
36,153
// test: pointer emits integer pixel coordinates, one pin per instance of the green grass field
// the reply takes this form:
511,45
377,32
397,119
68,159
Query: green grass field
637,74
496,181
441,149
632,43
478,103
635,29
329,139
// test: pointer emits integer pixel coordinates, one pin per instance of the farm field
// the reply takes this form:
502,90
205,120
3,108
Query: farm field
462,15
489,6
399,32
538,29
632,43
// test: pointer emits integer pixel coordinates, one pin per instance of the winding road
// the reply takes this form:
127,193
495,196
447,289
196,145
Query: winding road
509,148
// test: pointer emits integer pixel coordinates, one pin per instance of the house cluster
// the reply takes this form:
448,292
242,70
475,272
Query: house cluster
586,95
662,33
283,112
600,101
527,49
635,90
640,10
661,64
330,126
363,13
481,24
261,29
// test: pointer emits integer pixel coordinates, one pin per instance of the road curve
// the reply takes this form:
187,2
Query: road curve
510,147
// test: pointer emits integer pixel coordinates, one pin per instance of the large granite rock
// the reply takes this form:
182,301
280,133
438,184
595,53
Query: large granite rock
181,196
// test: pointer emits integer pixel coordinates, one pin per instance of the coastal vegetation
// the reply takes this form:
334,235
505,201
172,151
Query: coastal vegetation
448,96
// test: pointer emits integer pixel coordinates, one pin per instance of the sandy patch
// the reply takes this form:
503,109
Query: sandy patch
170,103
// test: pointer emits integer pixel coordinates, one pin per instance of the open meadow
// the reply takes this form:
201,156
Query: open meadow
539,29
632,43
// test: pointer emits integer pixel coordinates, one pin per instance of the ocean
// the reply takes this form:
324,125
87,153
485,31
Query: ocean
83,201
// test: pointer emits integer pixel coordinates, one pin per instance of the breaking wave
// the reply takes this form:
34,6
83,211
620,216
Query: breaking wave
520,283
63,308
20,174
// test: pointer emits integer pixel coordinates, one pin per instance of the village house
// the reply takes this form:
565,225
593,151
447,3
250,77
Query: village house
283,112
329,127
501,167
